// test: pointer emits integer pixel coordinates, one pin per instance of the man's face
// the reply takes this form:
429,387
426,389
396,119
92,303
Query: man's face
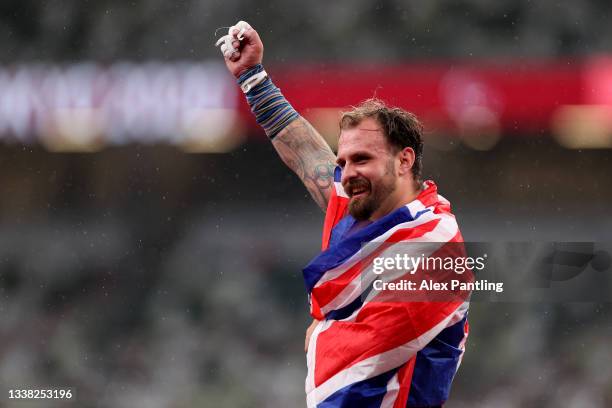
368,168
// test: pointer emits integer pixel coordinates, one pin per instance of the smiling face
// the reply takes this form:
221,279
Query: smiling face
369,170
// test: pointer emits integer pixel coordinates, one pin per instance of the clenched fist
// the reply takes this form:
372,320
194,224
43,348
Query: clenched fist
241,47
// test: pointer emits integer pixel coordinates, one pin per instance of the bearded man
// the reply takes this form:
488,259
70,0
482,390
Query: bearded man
362,351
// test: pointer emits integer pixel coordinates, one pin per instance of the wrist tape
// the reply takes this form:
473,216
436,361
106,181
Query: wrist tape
272,111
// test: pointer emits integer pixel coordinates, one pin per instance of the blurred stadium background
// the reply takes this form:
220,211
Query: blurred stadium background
151,242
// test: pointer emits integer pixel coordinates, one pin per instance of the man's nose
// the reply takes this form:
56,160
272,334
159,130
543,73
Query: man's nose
348,172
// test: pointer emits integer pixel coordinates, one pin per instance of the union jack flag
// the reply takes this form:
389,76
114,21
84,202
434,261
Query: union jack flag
369,352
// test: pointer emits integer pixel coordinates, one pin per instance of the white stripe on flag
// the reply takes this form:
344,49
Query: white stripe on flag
392,392
340,190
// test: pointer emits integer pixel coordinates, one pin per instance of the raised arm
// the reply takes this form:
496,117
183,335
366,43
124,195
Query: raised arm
298,144
305,152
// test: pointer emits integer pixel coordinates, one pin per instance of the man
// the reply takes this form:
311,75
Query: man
362,350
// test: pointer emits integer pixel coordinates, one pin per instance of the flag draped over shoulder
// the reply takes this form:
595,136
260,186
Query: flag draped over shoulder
363,353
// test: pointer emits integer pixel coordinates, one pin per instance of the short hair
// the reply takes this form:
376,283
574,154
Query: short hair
401,128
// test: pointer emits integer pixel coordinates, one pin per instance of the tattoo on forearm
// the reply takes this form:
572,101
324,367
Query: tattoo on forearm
305,152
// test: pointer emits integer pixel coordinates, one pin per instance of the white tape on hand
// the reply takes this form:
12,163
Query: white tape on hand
241,27
235,32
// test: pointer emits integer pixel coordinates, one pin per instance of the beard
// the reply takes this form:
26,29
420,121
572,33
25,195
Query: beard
362,207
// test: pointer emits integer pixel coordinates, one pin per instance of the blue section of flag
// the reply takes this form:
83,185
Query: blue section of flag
341,230
346,311
435,367
337,174
363,394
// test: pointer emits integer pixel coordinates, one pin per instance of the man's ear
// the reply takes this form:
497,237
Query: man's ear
407,158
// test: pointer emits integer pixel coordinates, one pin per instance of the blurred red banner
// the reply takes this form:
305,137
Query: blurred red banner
512,96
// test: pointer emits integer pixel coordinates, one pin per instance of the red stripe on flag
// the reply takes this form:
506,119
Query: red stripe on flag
404,378
336,210
380,327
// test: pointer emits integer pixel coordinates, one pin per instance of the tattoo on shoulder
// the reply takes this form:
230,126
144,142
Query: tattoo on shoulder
305,151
